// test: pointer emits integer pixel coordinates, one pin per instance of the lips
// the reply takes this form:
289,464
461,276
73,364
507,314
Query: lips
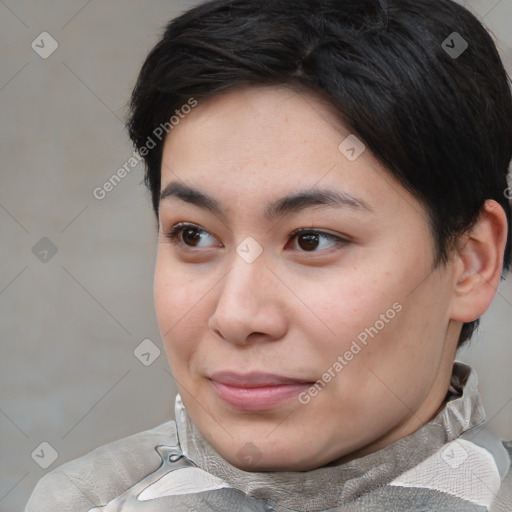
256,392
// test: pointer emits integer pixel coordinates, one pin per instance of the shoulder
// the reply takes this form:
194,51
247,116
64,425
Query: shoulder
472,470
503,501
102,474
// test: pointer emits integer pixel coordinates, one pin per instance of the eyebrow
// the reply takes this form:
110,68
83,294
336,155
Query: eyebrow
292,203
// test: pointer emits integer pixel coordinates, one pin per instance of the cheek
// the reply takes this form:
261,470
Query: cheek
372,324
180,308
348,305
401,353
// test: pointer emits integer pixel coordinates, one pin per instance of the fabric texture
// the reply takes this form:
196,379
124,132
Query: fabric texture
453,463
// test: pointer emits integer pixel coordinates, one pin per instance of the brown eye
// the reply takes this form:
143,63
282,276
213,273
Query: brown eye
308,242
191,236
315,241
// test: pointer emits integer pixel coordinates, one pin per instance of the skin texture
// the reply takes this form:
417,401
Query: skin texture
293,312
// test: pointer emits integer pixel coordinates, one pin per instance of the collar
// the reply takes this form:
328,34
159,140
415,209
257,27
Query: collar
332,486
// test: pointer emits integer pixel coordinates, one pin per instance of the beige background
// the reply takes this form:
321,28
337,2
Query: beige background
69,327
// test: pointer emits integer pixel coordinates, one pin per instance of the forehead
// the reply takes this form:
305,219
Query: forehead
255,144
267,123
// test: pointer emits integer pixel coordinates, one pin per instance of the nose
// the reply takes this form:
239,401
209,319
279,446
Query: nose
249,307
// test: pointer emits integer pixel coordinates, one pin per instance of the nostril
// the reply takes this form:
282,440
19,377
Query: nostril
218,333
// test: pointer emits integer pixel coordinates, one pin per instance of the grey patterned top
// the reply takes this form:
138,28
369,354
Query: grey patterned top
453,463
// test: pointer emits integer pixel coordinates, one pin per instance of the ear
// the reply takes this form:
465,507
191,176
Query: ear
479,263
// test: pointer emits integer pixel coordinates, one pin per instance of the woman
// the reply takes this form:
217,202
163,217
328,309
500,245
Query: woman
329,180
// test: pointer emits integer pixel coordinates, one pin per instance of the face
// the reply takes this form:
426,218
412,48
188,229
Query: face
294,286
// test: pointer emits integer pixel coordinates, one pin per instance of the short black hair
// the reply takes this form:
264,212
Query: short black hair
438,115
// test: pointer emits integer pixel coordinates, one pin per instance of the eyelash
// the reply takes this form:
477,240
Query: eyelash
339,241
175,232
178,229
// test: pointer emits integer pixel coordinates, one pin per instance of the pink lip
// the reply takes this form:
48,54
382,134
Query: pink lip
256,392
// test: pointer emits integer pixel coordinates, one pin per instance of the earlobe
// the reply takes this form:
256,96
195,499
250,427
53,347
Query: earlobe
479,263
